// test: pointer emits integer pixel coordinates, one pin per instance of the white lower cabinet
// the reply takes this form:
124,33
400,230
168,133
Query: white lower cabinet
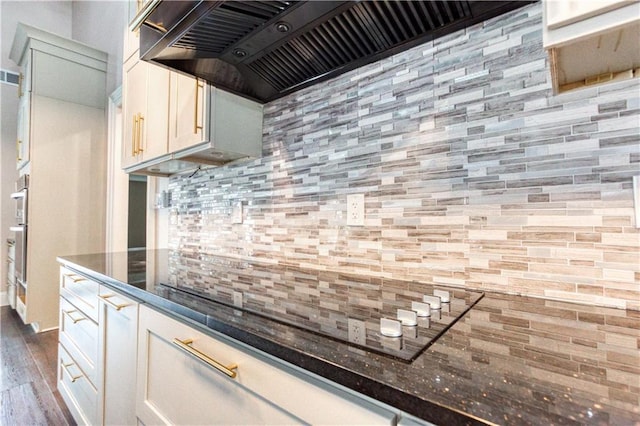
80,395
119,342
78,350
97,351
181,380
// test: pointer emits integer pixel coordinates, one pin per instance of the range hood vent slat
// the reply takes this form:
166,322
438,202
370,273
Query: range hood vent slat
327,45
236,45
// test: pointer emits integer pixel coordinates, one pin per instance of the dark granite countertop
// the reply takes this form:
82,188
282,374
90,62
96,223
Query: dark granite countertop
509,360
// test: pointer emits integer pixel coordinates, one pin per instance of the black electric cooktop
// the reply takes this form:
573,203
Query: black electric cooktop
327,303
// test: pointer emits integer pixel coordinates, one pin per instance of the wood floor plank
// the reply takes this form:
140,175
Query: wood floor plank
17,366
28,375
44,350
31,404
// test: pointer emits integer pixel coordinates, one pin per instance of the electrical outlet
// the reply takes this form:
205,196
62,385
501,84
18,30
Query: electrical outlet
236,213
355,210
237,299
357,331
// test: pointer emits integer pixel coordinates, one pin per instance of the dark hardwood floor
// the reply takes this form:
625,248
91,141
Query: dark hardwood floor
28,392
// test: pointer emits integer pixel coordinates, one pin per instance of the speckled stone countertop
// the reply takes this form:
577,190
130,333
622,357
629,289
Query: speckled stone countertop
509,360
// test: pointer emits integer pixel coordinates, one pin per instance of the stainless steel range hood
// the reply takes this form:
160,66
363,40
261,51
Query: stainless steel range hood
264,50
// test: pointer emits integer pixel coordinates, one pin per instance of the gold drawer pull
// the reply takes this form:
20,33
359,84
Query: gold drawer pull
74,278
134,135
75,320
65,367
185,346
140,129
197,104
114,305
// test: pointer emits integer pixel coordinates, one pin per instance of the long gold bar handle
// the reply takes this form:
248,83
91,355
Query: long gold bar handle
74,278
185,346
20,78
140,120
75,320
65,367
116,306
197,105
134,133
18,150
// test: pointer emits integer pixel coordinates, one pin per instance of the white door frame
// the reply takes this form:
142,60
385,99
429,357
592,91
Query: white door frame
117,179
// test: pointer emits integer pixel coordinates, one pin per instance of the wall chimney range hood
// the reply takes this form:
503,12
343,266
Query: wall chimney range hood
264,50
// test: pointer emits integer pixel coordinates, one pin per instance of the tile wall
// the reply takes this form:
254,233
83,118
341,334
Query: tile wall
474,174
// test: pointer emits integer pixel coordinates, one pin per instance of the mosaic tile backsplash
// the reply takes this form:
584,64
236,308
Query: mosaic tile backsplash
474,175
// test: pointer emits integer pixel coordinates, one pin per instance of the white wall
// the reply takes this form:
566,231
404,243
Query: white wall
101,24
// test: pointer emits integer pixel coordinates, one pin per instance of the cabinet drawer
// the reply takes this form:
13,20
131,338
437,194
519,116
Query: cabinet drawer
76,390
169,378
79,335
81,292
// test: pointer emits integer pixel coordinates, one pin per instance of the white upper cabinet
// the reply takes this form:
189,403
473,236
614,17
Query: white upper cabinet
56,68
227,125
146,105
23,129
175,122
186,111
591,42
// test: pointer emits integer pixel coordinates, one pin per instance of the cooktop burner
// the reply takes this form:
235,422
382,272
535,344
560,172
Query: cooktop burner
347,308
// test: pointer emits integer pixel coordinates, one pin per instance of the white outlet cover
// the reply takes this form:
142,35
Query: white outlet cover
236,213
237,299
357,331
636,199
355,210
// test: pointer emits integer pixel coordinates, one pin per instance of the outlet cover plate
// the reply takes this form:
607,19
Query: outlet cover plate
355,210
357,331
236,213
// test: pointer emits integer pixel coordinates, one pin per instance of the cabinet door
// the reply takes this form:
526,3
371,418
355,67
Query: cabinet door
146,108
118,342
154,125
186,112
176,388
23,129
135,88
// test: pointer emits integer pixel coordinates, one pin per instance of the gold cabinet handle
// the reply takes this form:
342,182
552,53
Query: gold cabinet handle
185,346
197,104
20,78
134,132
18,150
74,278
75,320
140,121
65,367
116,306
